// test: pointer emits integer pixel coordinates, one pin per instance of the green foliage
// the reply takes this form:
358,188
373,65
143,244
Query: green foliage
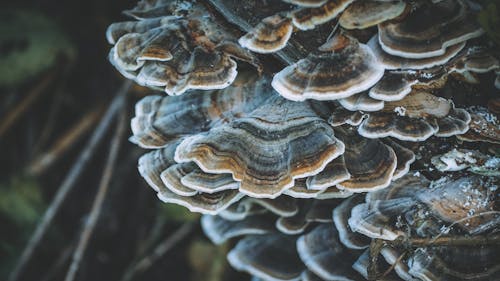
21,205
176,213
20,201
489,18
29,43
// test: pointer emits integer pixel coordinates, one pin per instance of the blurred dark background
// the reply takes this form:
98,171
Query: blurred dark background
55,85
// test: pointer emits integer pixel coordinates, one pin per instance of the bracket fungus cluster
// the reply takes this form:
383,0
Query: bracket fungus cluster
423,230
335,139
185,49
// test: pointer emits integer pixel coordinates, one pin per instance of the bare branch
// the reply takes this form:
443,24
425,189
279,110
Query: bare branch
100,196
159,251
70,180
477,240
11,117
44,161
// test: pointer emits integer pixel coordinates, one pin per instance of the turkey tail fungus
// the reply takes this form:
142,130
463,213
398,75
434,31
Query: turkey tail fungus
316,140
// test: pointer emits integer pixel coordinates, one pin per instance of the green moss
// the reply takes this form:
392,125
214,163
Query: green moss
29,43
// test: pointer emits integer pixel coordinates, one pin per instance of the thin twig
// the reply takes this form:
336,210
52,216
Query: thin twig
43,162
159,251
99,199
48,127
70,180
476,240
154,236
409,243
448,228
53,111
391,268
146,244
59,263
11,117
